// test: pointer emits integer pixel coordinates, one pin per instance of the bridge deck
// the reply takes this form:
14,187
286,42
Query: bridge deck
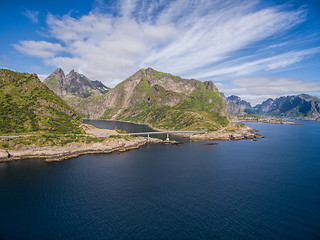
166,132
107,135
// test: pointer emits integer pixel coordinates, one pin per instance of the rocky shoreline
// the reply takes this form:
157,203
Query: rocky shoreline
264,120
71,150
242,133
270,121
75,149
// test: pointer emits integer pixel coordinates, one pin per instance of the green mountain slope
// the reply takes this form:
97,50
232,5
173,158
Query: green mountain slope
27,105
161,100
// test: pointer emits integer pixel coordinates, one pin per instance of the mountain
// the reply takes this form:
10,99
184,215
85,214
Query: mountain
236,106
74,85
297,106
27,105
161,100
237,100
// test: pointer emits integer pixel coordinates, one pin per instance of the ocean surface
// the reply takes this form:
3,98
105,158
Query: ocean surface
265,189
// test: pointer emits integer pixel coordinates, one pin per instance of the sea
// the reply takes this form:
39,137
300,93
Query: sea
264,189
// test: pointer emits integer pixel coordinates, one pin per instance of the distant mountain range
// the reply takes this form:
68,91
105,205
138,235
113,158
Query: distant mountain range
27,105
147,93
298,106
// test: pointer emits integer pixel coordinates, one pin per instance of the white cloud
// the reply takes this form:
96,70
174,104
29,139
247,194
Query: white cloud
40,49
242,67
178,36
42,76
32,15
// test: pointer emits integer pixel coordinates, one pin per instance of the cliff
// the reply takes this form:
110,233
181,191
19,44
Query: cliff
74,84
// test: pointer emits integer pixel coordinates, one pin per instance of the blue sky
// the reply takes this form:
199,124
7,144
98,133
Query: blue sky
254,49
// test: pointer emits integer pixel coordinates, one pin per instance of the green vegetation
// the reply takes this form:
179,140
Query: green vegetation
53,140
27,105
107,112
197,111
120,131
159,75
172,118
251,116
234,127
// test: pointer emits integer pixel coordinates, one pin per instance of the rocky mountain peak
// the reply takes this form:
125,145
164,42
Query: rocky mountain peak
237,100
59,71
72,74
74,84
210,86
236,106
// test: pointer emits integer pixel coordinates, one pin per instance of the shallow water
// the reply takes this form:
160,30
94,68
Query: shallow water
265,189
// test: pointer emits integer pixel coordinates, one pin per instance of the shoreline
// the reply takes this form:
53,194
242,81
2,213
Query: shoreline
242,133
266,121
74,149
71,150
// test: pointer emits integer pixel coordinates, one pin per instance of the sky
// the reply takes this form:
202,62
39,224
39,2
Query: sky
253,49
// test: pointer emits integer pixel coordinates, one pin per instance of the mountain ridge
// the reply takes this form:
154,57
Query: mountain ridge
161,100
295,106
302,106
74,84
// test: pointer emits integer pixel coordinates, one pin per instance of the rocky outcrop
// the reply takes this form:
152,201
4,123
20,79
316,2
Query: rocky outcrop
236,106
74,84
59,153
243,132
4,154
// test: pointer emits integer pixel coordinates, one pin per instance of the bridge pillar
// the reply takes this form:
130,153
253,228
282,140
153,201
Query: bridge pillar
148,138
190,135
167,139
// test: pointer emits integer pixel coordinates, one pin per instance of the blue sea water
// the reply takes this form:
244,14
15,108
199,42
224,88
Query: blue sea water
265,189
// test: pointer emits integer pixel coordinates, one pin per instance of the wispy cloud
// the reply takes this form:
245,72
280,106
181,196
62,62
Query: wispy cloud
180,37
241,67
40,49
32,15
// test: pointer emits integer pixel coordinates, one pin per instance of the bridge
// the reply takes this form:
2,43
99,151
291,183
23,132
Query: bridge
126,134
164,132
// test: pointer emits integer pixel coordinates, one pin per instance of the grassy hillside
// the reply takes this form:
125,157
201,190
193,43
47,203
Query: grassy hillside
197,111
27,105
161,100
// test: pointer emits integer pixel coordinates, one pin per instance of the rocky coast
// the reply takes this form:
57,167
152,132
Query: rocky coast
74,149
231,133
275,121
234,131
